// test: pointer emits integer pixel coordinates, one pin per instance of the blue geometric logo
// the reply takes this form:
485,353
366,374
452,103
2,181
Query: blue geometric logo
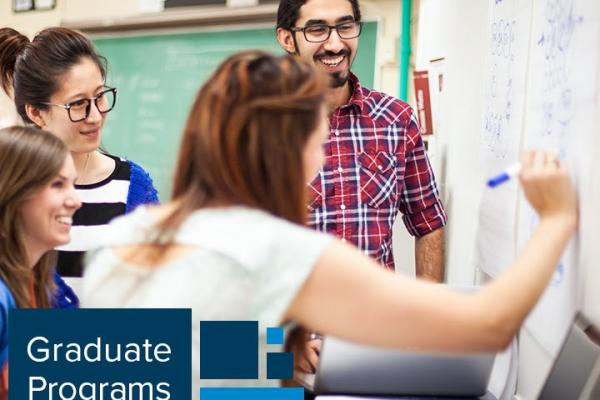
230,350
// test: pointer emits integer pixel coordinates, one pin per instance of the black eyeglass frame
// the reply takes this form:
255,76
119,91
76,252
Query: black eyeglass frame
330,28
88,108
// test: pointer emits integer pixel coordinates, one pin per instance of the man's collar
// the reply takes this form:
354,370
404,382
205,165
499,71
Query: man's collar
356,94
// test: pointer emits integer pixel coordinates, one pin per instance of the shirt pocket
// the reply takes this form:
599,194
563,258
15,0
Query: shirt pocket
377,175
315,193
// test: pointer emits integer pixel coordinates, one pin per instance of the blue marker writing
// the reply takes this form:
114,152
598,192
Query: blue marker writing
510,172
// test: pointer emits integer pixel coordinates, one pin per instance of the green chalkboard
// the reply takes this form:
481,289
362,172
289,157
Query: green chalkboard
158,76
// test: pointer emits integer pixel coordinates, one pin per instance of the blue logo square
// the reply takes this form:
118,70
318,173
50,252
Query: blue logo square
275,335
228,349
280,365
286,393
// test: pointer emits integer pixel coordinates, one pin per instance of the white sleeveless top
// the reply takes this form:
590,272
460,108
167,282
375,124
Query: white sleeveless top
248,265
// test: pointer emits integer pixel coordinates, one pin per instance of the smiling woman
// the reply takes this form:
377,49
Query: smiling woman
37,203
58,82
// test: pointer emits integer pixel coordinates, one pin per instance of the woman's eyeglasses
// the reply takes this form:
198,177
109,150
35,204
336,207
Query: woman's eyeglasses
79,110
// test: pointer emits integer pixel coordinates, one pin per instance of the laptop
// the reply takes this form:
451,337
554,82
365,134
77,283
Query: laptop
349,368
575,373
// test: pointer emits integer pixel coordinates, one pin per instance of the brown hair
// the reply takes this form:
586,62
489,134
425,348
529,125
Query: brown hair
29,159
245,136
243,144
34,69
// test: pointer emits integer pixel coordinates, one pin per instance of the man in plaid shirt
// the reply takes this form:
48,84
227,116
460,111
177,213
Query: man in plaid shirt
375,160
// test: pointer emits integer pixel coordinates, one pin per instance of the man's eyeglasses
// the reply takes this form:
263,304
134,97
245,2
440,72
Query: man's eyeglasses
79,110
320,32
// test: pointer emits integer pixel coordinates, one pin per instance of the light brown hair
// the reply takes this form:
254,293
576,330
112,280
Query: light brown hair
243,144
245,135
29,159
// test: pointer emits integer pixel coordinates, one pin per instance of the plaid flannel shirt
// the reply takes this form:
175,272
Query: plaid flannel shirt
375,165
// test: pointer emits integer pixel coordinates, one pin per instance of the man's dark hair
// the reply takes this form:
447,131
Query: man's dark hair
287,13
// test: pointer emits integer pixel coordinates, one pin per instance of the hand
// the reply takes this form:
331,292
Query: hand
309,358
547,185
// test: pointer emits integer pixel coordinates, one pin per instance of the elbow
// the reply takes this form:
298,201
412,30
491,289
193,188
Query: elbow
502,341
497,331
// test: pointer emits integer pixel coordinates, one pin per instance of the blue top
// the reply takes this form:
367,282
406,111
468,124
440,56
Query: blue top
64,297
141,189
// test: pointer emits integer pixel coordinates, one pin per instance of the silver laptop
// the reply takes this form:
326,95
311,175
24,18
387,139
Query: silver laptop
576,370
348,368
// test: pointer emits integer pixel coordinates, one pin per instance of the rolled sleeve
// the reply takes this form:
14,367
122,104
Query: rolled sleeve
420,204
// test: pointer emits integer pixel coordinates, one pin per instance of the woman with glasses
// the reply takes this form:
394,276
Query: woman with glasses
58,83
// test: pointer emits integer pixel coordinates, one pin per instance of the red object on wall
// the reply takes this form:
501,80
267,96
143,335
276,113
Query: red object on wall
421,82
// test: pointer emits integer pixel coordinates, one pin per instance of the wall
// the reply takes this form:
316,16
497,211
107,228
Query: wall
454,30
389,15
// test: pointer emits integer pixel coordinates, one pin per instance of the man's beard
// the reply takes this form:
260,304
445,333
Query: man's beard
337,79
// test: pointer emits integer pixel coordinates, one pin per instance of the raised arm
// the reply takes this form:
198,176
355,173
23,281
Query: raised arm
348,296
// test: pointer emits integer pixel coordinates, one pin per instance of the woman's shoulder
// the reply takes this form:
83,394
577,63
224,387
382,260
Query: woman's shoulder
251,236
64,296
7,302
124,168
141,187
6,298
243,220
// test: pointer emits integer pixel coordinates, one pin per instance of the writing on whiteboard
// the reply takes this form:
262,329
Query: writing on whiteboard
558,107
499,108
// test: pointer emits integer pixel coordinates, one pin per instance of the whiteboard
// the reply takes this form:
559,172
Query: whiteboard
554,108
505,90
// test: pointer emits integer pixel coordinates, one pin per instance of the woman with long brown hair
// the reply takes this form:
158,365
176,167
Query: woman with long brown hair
232,245
37,203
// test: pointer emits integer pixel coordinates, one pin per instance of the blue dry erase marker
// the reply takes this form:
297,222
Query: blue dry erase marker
508,173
